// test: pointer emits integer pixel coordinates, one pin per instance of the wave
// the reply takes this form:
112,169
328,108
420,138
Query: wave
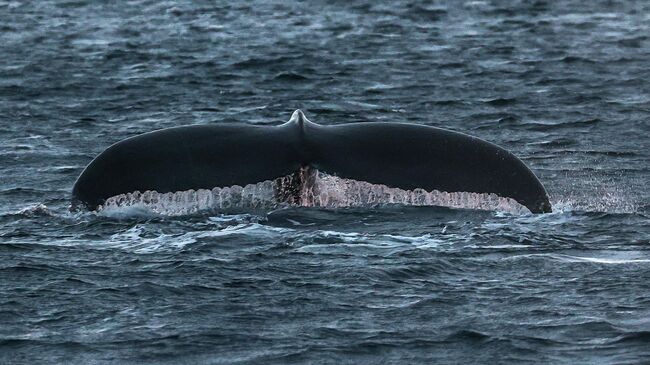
581,259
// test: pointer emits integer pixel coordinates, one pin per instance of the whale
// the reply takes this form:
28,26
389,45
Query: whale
398,155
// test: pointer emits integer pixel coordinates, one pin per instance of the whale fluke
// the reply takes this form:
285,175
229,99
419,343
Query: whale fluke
399,155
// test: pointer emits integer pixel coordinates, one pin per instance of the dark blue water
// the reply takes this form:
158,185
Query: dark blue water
564,85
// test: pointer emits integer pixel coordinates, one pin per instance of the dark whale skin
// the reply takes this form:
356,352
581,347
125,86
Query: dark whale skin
405,156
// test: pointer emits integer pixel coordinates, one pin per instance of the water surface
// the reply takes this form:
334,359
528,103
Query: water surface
561,85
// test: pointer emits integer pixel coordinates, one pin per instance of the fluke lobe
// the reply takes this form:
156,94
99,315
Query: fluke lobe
399,155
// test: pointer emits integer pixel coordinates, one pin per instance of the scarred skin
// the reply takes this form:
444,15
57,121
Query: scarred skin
405,156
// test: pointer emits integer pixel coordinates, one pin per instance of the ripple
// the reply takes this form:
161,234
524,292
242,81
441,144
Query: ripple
353,277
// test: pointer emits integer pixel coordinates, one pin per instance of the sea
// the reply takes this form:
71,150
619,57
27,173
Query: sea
561,84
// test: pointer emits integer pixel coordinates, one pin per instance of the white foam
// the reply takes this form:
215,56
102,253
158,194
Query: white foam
616,260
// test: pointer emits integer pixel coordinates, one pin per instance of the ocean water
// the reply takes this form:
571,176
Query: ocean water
563,85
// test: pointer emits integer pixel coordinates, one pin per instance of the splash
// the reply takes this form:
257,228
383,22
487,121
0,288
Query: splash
605,203
594,193
307,188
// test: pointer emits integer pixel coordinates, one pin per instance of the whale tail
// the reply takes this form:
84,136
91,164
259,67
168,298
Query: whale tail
405,156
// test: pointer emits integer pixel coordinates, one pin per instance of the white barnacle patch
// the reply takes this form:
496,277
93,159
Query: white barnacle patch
308,188
258,196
